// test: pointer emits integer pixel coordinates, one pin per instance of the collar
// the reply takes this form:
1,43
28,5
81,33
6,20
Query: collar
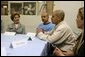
14,25
60,23
46,23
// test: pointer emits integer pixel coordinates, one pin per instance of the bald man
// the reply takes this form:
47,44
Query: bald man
46,26
62,37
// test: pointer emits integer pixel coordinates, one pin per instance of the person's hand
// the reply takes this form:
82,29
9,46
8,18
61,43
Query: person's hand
58,52
39,30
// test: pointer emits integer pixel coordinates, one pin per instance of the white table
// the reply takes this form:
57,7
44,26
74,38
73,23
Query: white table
36,47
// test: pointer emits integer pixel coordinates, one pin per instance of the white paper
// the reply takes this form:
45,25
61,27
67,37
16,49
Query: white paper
3,51
31,34
19,43
10,33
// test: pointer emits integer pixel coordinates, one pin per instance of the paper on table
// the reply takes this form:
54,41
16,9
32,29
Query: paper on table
3,51
30,34
19,43
10,33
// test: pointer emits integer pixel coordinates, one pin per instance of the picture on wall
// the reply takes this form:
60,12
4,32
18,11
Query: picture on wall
29,8
4,7
15,7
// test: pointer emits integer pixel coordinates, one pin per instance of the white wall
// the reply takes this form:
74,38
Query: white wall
31,22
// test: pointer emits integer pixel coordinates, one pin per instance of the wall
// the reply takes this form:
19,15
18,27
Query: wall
31,22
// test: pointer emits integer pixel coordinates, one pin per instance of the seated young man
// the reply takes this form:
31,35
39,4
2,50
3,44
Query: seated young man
46,25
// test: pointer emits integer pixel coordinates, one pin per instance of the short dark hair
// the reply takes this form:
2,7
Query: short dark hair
13,15
81,12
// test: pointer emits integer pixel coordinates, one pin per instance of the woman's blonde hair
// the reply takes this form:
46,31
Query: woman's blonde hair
81,12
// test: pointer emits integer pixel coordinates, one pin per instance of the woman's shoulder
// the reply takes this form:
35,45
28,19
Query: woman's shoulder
10,25
22,25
